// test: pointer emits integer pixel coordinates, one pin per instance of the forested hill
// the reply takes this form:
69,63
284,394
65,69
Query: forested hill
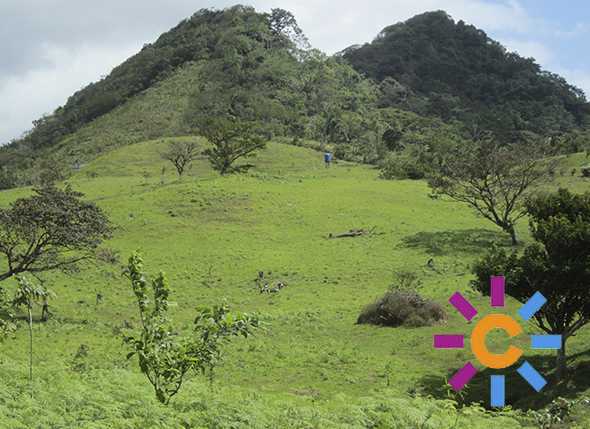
200,37
435,66
401,92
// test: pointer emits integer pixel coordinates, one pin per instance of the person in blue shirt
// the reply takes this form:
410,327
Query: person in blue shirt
327,158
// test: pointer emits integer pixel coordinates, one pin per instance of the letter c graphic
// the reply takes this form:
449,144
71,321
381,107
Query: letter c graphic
478,341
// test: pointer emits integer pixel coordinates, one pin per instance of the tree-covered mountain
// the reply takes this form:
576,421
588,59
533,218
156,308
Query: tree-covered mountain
259,65
201,37
432,65
417,81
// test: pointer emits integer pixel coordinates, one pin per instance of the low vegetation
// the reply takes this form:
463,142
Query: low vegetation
402,308
402,305
313,365
27,295
165,357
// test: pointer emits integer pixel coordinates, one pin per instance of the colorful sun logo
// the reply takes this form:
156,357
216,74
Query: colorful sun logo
478,342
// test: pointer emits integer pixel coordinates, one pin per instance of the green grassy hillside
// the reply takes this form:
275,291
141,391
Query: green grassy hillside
312,366
156,112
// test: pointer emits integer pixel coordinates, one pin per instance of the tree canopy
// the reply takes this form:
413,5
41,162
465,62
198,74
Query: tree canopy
51,229
492,178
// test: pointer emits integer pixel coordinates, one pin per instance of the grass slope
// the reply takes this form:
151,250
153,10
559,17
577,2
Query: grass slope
312,367
155,112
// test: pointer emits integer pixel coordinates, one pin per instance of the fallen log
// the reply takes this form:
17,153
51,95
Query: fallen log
352,233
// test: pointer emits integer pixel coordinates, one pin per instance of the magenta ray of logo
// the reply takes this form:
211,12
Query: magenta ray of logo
463,376
452,341
463,306
497,291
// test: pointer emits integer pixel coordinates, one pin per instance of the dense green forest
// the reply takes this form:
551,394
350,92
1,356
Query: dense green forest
382,103
434,66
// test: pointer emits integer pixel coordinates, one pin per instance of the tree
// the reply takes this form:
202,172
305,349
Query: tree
491,178
231,140
53,229
27,295
166,357
230,117
557,265
181,155
285,29
8,177
51,170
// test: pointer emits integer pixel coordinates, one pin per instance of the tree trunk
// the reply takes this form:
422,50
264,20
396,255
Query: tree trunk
512,233
30,349
45,311
561,366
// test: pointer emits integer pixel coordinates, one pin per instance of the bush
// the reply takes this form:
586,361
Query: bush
401,307
108,255
8,178
585,171
396,166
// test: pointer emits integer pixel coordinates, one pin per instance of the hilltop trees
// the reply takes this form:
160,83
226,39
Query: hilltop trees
232,107
263,82
166,357
557,264
49,230
491,178
191,40
453,70
285,29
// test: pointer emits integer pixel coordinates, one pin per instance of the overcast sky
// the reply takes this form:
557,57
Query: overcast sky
51,48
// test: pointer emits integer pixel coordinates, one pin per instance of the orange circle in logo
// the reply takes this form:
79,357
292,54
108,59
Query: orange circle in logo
478,341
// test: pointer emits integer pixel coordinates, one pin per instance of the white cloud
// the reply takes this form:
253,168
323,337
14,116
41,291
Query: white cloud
28,97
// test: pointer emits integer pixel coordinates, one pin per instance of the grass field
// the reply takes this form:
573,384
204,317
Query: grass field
311,366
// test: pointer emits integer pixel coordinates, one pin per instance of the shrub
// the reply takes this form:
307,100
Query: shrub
8,178
167,357
403,166
108,255
406,281
402,307
346,151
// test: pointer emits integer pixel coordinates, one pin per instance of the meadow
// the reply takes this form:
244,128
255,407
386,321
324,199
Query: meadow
311,366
